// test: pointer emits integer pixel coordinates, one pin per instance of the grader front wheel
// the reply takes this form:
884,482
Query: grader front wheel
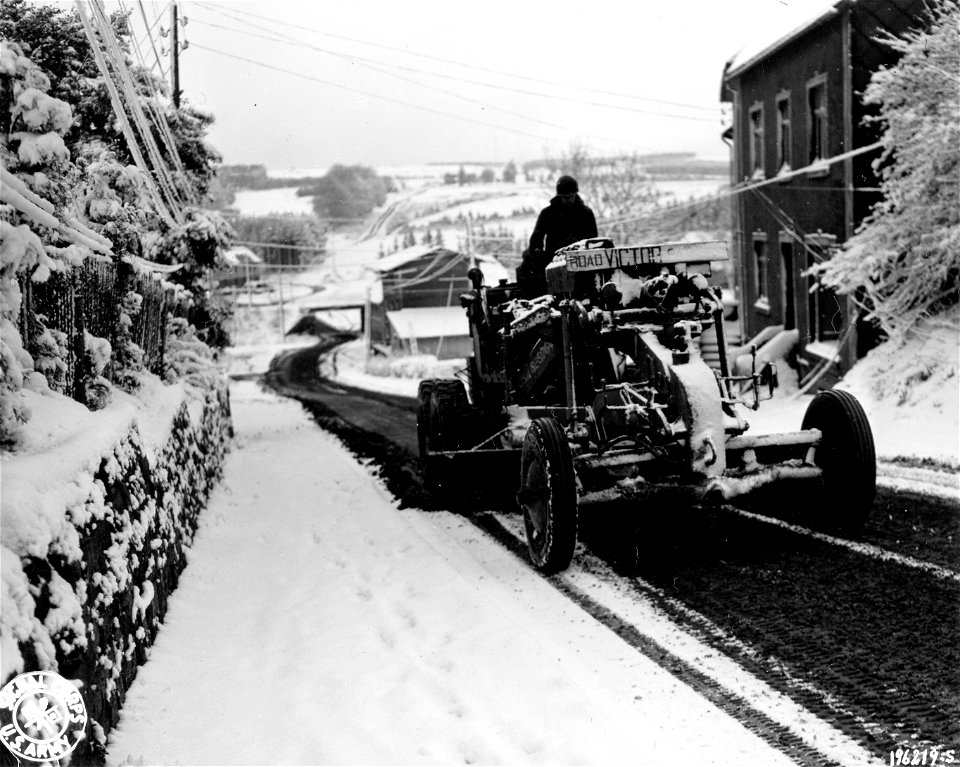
847,457
548,496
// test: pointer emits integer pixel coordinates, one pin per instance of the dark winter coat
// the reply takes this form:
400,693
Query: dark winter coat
558,225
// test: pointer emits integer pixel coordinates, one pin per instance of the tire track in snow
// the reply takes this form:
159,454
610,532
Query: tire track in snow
865,549
771,715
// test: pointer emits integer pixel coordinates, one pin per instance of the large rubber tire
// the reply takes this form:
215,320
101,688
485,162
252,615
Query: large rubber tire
548,496
449,415
424,396
847,457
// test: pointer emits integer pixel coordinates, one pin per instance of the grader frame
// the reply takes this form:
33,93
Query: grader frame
598,390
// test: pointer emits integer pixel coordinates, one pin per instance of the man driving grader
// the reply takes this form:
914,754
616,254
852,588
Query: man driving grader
590,385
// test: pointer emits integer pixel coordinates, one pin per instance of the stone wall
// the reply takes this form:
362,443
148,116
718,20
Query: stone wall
132,530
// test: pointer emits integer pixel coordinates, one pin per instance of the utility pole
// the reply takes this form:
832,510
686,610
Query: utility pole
283,322
470,251
174,54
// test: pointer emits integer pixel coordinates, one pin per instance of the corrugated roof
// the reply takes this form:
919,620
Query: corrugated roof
429,322
240,254
493,271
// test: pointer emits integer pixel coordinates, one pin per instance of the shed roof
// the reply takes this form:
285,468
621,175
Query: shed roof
405,256
429,322
241,254
493,271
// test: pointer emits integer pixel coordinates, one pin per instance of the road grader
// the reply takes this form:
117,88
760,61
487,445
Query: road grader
598,390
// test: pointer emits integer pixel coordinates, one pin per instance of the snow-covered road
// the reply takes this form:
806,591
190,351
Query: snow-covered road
318,623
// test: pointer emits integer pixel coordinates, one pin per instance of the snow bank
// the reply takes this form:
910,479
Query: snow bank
909,391
254,359
401,376
911,394
96,510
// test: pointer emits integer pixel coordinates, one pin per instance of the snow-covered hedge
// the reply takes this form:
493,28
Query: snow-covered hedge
62,218
90,559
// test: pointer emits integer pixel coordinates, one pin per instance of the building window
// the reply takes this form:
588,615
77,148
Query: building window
756,141
783,133
760,271
817,120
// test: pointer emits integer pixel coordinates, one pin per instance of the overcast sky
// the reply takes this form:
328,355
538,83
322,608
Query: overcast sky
407,82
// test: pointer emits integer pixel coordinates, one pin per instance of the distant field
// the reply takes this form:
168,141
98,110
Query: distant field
260,202
285,200
684,189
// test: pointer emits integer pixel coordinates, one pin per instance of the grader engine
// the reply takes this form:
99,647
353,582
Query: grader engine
598,390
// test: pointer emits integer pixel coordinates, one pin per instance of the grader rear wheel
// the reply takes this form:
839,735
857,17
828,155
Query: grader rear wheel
449,414
548,496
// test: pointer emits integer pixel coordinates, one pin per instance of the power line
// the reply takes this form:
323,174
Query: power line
747,186
286,40
118,108
459,63
149,36
160,120
317,249
480,83
372,95
149,28
175,194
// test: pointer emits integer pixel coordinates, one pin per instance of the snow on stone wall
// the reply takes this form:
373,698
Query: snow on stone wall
86,597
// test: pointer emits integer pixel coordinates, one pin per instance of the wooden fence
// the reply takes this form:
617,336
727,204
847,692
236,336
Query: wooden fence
89,298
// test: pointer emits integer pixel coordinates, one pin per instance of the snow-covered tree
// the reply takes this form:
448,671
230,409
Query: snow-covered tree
198,245
97,353
52,36
282,231
64,202
114,197
188,358
348,191
127,355
904,262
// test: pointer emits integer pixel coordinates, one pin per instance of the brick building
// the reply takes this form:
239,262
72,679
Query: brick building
797,105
